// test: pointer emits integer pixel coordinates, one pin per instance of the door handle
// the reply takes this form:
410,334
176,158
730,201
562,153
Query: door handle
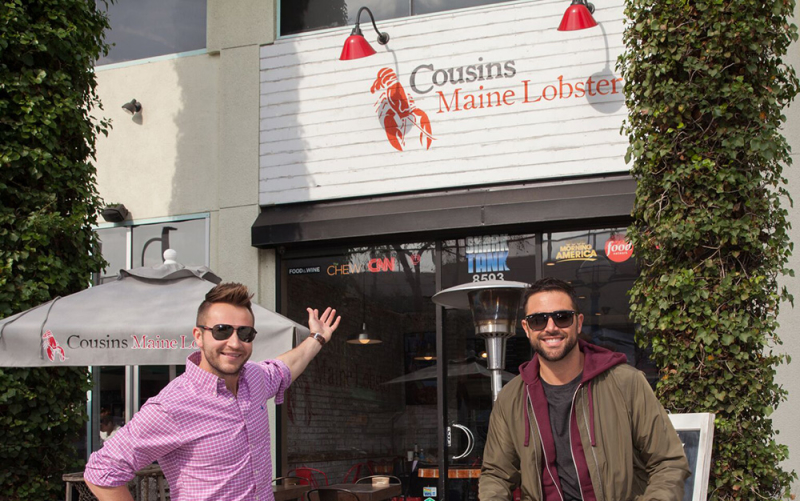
470,440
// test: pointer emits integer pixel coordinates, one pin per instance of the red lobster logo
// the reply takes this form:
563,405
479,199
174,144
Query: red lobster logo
397,112
51,346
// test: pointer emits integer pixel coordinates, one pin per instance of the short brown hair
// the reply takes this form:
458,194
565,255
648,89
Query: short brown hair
550,284
227,293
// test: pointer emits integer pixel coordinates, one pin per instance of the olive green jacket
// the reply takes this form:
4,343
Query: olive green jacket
636,456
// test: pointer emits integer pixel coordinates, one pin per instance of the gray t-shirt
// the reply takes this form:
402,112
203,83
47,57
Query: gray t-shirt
559,402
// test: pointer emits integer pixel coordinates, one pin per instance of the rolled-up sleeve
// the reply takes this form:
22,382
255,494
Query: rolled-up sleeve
279,377
151,434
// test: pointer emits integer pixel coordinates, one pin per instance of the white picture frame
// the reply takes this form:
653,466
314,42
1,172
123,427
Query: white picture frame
696,431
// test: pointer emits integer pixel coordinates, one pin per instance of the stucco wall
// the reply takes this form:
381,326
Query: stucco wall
161,162
785,418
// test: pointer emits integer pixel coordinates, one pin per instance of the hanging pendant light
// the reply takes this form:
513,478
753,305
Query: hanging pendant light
426,354
363,337
578,16
356,46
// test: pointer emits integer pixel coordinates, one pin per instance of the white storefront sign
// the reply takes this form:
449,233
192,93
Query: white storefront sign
470,97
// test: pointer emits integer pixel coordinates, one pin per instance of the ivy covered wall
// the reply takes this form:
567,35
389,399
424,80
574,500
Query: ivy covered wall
48,204
706,89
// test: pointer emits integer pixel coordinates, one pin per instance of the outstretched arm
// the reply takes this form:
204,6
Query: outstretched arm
298,358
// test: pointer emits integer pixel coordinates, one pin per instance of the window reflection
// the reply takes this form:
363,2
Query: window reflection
147,28
298,16
113,248
383,398
354,395
112,402
186,237
600,266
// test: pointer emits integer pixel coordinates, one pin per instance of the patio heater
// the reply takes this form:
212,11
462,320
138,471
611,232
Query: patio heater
494,305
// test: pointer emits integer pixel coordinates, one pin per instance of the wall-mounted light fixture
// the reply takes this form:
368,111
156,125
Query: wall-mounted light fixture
578,16
356,46
114,213
133,107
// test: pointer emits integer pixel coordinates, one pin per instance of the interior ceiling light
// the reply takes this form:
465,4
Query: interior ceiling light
578,16
426,354
133,107
363,337
356,46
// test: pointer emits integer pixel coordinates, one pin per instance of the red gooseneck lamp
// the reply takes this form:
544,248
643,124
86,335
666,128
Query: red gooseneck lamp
578,16
356,46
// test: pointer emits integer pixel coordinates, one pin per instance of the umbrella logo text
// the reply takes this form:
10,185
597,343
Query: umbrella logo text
52,347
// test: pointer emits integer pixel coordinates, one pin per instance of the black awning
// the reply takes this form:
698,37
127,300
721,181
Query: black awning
576,202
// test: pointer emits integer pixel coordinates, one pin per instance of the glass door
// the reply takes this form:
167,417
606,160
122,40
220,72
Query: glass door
364,408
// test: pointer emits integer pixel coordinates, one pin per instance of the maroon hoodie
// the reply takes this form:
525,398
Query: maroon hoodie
596,361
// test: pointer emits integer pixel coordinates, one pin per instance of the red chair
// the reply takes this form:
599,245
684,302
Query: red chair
310,475
356,471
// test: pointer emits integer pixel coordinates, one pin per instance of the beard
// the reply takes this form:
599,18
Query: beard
221,366
554,356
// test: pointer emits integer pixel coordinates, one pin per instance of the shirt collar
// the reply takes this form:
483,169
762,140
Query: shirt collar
201,378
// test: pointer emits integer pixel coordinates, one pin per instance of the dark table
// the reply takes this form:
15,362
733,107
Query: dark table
285,492
369,492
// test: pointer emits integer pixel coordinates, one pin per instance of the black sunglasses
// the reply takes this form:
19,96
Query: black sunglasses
221,332
538,321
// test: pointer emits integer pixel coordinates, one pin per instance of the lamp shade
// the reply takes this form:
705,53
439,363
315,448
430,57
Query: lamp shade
363,337
356,47
577,17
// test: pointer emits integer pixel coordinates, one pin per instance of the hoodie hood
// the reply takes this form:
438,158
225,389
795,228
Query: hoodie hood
596,361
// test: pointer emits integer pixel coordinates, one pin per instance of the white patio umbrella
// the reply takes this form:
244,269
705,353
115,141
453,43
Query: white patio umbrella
145,317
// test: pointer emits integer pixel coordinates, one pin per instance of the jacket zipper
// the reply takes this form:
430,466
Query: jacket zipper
571,454
530,403
544,452
594,454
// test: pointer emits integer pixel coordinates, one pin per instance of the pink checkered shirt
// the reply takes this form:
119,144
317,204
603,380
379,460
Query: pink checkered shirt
210,444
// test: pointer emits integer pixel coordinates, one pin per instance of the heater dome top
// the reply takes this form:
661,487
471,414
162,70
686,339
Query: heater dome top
457,297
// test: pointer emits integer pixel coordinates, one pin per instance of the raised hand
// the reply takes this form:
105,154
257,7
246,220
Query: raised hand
325,324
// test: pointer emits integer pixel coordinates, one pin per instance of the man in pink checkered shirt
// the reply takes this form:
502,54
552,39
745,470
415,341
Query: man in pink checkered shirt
209,428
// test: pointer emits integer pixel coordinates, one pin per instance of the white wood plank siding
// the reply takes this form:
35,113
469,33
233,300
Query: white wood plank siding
320,133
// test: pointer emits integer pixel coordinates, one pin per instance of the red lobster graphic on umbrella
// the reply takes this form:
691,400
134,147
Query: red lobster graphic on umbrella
397,112
52,347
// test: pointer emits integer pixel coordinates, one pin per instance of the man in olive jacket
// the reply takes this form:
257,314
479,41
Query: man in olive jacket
578,423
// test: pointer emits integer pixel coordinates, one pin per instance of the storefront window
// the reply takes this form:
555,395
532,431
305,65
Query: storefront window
601,267
147,28
372,404
187,238
113,248
359,407
311,15
112,402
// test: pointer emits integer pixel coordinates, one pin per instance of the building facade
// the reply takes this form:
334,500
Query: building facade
478,144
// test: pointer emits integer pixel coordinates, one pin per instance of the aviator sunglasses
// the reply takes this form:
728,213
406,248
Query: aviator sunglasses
538,321
221,332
